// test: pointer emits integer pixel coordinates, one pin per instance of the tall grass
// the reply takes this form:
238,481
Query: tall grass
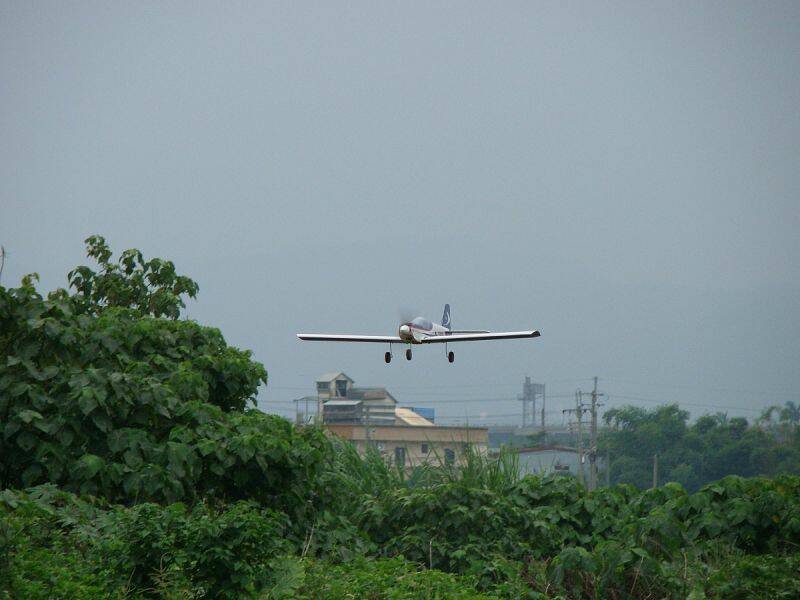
359,474
472,469
370,474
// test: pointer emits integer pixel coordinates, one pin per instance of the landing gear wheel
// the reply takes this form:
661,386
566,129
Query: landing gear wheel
450,356
387,357
408,354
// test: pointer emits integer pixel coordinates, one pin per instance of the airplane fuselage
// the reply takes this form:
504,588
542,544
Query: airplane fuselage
413,332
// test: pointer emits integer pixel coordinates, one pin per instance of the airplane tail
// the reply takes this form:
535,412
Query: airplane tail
446,317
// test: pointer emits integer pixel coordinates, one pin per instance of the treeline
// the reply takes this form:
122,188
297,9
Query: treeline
694,454
132,464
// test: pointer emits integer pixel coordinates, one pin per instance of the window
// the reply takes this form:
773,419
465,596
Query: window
449,456
322,386
424,448
400,456
422,323
341,387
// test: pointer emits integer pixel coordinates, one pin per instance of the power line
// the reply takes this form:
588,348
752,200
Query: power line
704,389
468,396
454,397
437,387
477,417
510,399
717,406
434,402
485,384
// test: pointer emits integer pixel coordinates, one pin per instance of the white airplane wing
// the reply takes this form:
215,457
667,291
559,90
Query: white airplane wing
325,337
474,337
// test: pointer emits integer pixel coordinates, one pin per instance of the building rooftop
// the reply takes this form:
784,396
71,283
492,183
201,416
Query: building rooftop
328,377
342,402
410,433
371,393
406,416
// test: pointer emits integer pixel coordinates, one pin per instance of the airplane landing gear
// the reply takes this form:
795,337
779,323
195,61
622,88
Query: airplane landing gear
451,356
387,357
408,354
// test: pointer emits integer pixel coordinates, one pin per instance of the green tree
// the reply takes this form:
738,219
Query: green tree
790,413
713,447
105,391
149,287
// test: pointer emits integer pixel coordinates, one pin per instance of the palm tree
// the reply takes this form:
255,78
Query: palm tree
766,415
790,414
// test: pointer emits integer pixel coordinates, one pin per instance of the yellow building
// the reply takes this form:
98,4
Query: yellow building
370,417
411,445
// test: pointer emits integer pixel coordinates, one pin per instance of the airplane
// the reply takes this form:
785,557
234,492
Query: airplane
422,331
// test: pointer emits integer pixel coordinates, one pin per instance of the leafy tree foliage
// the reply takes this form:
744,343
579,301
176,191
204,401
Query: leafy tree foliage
100,394
149,287
709,449
201,551
147,474
736,534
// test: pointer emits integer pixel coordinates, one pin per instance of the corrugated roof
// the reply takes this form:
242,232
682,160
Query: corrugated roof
372,393
327,377
406,416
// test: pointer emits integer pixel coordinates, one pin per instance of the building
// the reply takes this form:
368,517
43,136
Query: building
339,401
524,437
427,413
559,460
370,417
412,445
409,416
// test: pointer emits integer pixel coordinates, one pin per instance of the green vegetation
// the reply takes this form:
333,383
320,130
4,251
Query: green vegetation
131,466
110,399
712,447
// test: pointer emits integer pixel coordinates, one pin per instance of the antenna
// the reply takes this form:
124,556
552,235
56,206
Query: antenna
2,260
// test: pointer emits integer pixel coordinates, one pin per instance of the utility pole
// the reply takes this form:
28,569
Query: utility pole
593,440
543,397
578,410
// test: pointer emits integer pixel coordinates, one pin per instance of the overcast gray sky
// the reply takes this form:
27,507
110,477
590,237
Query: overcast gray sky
623,176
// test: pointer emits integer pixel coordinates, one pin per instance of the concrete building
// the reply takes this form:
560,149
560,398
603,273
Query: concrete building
411,445
559,460
522,437
370,417
339,401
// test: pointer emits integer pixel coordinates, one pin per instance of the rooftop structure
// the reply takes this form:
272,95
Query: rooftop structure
339,401
370,418
412,445
406,416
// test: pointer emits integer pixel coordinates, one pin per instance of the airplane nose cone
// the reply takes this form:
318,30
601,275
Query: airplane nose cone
405,331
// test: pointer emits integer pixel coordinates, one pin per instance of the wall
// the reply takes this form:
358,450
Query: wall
438,439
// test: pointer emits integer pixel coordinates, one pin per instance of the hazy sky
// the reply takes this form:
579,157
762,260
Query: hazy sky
623,176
